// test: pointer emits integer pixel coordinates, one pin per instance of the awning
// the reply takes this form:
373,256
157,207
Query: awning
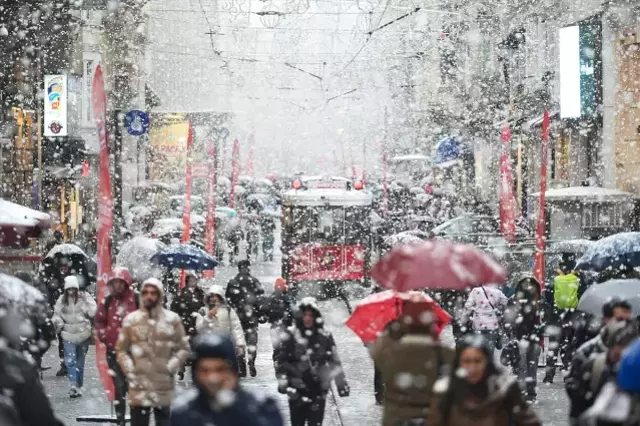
12,214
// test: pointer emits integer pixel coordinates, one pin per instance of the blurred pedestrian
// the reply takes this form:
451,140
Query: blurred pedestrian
603,367
478,392
186,304
618,403
278,308
151,349
73,318
613,311
120,302
484,312
218,398
525,313
307,364
24,401
244,294
218,317
409,349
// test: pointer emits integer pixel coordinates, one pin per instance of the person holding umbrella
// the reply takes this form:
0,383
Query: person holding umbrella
73,318
244,293
186,304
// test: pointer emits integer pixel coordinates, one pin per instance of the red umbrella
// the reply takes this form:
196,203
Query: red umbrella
436,264
374,312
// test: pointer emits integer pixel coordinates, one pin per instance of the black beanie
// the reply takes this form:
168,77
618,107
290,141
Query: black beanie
214,345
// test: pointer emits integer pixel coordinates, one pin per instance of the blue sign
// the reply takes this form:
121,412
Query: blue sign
137,122
446,151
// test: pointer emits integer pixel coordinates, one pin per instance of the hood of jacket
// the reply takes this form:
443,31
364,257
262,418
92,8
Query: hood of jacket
215,290
308,303
153,282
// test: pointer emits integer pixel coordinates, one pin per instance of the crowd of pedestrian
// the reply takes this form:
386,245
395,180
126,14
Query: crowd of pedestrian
486,376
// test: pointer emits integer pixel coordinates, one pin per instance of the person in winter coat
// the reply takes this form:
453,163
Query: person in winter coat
151,349
244,294
73,318
485,395
618,403
218,317
120,302
525,314
409,348
218,398
307,363
278,308
603,367
485,310
186,304
615,310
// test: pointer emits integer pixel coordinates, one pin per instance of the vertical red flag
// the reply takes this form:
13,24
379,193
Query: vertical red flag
507,198
235,172
105,219
385,183
538,257
186,215
210,230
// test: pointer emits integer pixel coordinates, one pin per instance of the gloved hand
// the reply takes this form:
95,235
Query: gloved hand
344,390
282,388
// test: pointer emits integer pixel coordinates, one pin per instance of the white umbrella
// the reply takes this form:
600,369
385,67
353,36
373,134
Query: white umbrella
66,250
135,254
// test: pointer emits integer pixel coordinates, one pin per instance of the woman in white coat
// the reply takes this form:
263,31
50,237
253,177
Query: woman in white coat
73,317
217,316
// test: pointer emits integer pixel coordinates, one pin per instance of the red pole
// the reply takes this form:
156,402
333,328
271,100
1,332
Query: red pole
186,215
538,259
210,231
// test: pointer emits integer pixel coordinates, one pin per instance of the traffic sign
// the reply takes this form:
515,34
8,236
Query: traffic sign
137,122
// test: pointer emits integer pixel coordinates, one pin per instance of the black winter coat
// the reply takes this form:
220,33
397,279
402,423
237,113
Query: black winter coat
278,308
308,361
574,381
244,294
19,380
188,302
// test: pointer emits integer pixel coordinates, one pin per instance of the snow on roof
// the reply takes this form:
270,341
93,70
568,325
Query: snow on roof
586,193
16,215
308,178
324,197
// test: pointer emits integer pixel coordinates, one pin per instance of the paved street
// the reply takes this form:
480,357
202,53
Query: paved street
357,410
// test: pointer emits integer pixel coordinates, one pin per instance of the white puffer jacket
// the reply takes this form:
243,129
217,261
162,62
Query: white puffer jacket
225,321
74,320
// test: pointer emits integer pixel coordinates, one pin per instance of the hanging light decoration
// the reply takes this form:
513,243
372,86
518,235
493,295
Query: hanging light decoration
270,16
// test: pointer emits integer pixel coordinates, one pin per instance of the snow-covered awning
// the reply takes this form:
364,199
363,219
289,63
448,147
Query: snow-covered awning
587,194
12,214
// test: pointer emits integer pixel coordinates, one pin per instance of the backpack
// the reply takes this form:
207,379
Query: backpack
565,293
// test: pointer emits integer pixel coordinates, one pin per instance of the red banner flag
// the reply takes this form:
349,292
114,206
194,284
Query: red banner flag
538,257
235,172
507,198
105,218
210,230
186,214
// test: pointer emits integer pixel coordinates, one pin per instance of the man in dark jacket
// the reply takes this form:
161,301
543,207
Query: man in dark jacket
244,294
614,311
218,399
278,308
524,314
120,301
307,364
187,304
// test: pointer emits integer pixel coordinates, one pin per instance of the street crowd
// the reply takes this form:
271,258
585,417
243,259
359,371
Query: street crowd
486,374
